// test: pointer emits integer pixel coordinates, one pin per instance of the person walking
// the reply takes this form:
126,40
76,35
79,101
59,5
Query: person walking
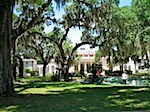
124,77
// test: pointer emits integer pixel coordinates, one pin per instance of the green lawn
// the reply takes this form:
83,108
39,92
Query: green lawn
35,95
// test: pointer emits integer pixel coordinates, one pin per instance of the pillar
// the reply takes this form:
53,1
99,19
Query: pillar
91,63
79,66
85,66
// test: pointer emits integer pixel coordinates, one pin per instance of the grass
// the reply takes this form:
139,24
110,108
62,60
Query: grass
37,95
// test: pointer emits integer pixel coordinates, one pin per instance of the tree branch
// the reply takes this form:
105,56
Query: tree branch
78,45
65,35
18,31
83,2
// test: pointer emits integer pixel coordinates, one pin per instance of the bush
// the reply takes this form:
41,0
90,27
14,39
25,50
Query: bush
27,70
48,75
129,71
141,74
115,73
77,74
55,77
32,72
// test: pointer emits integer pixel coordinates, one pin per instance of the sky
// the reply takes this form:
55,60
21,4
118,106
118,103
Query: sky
75,34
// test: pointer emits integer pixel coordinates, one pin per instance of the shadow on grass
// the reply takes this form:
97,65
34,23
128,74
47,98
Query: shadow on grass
25,86
79,98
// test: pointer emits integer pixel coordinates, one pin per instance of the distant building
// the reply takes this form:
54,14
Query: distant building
86,59
30,64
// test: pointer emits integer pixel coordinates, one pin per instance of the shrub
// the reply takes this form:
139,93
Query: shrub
27,70
129,71
77,73
48,75
32,72
55,77
141,74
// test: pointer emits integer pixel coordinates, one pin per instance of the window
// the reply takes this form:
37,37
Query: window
85,55
91,55
82,48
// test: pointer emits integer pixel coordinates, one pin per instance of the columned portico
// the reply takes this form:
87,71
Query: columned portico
79,66
91,63
85,66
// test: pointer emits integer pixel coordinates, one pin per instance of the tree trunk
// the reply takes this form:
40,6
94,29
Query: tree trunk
121,67
6,72
20,66
109,62
14,69
14,59
147,60
66,74
62,69
44,69
135,66
94,72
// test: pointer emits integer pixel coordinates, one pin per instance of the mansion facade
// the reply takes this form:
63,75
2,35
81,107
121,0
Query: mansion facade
83,63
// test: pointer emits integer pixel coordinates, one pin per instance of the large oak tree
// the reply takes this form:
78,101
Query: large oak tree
7,36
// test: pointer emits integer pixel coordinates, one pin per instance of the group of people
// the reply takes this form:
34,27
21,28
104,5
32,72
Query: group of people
124,76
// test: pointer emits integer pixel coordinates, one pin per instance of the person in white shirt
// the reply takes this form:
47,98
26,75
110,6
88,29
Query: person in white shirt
124,77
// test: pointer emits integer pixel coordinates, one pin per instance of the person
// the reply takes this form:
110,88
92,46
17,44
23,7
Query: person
124,77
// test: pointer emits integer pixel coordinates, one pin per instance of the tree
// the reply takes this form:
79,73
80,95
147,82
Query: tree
114,30
87,19
30,14
6,78
40,45
65,53
107,28
22,51
73,22
142,11
6,34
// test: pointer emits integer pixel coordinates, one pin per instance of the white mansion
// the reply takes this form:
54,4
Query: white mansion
86,60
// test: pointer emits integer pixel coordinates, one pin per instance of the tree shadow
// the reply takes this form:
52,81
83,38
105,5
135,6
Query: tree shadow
80,99
24,86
